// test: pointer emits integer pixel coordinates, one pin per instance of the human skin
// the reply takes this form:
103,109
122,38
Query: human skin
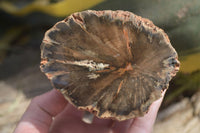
51,113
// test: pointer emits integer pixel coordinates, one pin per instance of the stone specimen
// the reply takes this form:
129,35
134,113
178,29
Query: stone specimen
113,64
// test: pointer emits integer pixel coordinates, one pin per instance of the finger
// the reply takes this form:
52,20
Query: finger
70,121
145,124
121,127
103,122
38,116
74,112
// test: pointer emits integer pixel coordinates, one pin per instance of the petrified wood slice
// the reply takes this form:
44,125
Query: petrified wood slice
111,63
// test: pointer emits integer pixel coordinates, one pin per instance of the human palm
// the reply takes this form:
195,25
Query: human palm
51,113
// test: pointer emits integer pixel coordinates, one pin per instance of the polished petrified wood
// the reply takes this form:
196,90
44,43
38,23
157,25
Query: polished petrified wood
113,64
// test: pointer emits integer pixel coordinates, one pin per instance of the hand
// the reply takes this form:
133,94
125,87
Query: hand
50,112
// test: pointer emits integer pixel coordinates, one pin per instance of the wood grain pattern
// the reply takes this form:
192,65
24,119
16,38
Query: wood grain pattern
111,63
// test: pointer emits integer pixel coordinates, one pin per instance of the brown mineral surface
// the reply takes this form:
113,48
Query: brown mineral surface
113,64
